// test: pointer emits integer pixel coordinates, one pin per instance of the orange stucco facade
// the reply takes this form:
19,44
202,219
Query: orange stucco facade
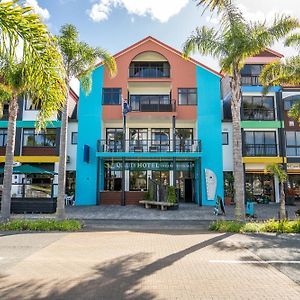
182,75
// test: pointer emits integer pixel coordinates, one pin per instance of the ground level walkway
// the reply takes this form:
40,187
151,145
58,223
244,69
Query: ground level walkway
137,265
184,212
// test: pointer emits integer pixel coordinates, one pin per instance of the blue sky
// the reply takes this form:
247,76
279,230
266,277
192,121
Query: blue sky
116,24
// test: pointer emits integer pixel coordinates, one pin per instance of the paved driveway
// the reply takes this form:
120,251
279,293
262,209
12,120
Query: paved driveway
142,265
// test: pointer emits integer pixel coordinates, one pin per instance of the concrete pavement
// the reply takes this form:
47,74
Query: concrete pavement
137,264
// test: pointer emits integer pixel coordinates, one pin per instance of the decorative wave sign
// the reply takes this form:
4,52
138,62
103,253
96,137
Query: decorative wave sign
211,184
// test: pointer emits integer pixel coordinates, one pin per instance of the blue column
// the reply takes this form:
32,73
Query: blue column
209,128
89,132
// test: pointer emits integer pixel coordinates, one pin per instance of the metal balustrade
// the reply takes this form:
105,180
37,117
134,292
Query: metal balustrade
260,150
149,146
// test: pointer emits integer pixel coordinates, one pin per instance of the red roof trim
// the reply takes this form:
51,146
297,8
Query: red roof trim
166,46
274,52
73,95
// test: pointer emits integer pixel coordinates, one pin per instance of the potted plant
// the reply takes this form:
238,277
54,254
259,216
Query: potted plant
228,188
171,195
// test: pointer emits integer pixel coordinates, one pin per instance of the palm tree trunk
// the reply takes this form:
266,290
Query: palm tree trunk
9,159
60,210
238,169
282,212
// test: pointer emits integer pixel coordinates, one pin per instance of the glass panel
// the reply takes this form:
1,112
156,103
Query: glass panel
224,138
290,138
183,99
249,137
290,151
138,180
259,137
192,99
297,138
270,138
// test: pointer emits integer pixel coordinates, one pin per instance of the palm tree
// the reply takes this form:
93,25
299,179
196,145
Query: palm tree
277,170
79,60
31,63
231,44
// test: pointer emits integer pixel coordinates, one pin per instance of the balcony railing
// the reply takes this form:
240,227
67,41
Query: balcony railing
250,80
159,105
260,150
258,114
149,146
149,72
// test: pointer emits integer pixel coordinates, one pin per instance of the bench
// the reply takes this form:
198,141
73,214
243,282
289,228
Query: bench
162,205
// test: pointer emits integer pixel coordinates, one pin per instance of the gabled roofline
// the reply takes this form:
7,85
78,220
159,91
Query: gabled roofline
274,52
165,46
73,95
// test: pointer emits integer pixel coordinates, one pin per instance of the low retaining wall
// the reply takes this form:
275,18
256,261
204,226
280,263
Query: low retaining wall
114,198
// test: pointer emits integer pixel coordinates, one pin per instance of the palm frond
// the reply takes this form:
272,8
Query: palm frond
293,40
205,41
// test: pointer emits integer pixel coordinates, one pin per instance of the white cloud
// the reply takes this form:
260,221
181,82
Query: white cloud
43,12
161,10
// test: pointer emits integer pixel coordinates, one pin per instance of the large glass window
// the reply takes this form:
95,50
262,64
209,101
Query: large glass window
151,103
160,140
250,74
260,143
112,179
258,108
111,96
161,177
290,101
184,139
45,138
114,139
138,139
149,69
187,96
259,187
3,137
293,143
138,180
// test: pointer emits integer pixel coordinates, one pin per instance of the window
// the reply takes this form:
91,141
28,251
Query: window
160,140
225,140
290,101
250,74
138,180
45,138
258,108
161,177
260,143
114,139
184,139
29,105
149,69
112,179
111,96
3,137
187,96
74,138
138,139
293,143
159,103
5,111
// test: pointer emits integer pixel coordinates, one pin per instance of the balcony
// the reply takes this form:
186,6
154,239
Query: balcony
250,80
260,150
146,146
149,70
258,114
153,104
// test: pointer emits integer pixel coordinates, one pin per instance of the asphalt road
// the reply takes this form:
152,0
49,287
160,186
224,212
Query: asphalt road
141,264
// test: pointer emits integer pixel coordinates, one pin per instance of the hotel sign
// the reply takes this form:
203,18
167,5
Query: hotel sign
293,166
149,165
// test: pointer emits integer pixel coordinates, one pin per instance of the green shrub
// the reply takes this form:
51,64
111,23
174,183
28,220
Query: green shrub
147,196
171,198
226,226
267,226
41,225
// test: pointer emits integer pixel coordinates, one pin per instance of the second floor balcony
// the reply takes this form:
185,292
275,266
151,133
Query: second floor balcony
137,146
260,150
152,103
258,114
250,80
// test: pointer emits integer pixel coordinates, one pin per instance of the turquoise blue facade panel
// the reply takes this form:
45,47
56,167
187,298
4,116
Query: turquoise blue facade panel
149,154
209,129
31,124
89,132
259,89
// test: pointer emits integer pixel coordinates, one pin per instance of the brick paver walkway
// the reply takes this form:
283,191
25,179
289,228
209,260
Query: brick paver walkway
140,265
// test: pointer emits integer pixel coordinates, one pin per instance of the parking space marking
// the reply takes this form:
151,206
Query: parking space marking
255,261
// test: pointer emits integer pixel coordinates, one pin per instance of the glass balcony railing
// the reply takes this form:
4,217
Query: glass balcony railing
260,150
258,114
149,146
250,80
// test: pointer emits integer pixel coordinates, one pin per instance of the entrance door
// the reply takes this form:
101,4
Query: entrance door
188,190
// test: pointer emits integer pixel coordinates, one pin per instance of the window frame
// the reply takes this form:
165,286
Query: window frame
43,133
111,93
3,133
295,146
26,98
72,137
187,93
227,138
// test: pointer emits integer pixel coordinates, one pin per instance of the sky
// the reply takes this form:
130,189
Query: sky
116,24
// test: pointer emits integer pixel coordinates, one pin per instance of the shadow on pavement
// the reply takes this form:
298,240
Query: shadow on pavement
120,278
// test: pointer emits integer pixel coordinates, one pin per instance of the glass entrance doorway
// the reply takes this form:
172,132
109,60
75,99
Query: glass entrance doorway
185,185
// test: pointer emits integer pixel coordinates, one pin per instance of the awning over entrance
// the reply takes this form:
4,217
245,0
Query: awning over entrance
29,169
